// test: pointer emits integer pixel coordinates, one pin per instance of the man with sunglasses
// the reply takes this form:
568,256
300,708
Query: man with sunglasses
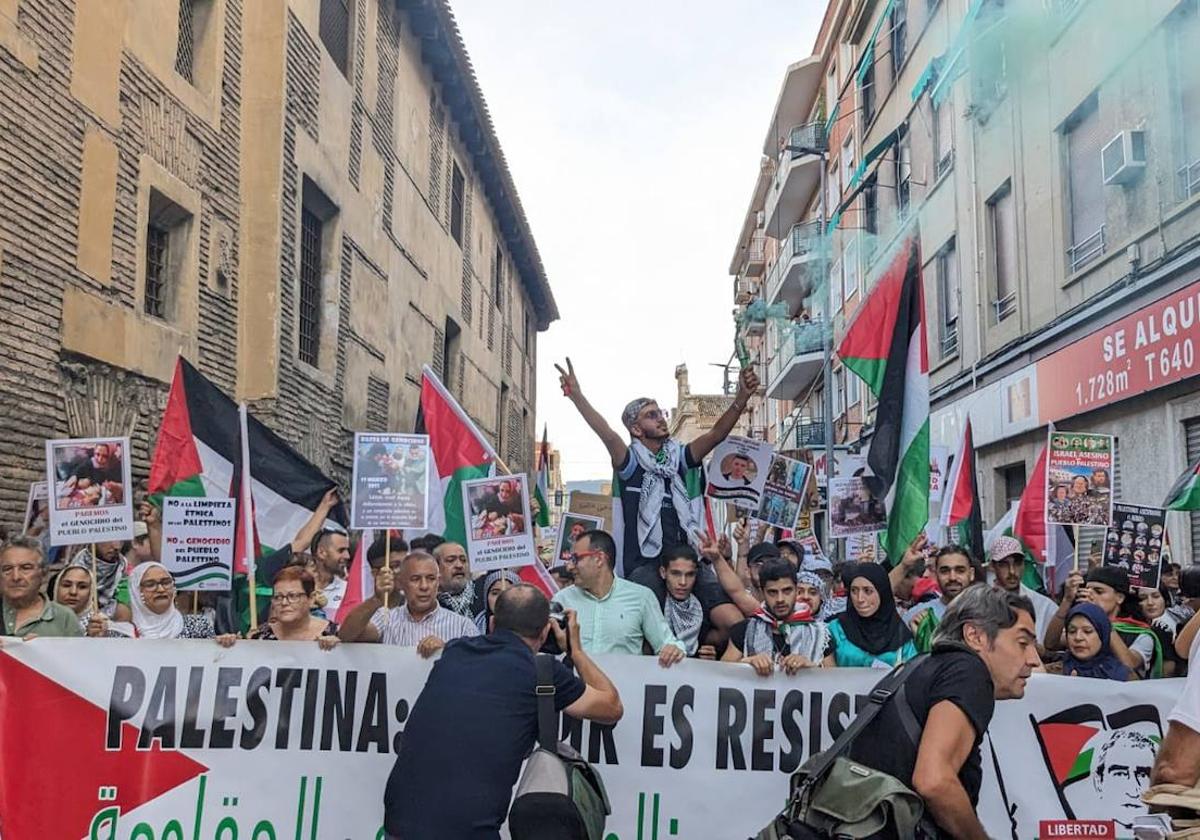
615,615
653,468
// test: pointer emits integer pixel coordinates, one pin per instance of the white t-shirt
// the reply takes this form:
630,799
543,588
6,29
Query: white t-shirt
334,593
1187,709
1043,610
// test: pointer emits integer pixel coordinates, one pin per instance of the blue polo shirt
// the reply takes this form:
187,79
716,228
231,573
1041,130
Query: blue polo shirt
470,729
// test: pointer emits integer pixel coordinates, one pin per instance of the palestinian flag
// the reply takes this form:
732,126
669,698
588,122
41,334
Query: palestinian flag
960,510
198,453
541,489
360,583
1047,546
1185,492
460,453
885,346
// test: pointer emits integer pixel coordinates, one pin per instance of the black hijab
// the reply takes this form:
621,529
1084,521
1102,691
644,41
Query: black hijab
882,632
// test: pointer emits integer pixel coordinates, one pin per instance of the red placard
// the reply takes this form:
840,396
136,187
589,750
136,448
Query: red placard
1155,346
1090,829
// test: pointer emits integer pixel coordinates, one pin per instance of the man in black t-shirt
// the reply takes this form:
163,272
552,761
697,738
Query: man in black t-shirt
653,468
475,721
984,650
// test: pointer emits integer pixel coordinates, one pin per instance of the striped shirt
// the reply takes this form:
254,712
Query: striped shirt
397,627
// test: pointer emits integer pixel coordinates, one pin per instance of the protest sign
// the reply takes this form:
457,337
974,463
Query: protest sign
593,504
783,494
92,490
572,525
197,541
852,507
391,481
1135,541
499,528
939,465
37,510
704,750
737,471
863,548
1079,469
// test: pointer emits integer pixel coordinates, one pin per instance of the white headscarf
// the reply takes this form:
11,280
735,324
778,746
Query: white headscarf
149,624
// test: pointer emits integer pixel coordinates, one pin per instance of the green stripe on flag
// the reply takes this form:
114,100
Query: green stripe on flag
869,370
191,486
910,506
456,523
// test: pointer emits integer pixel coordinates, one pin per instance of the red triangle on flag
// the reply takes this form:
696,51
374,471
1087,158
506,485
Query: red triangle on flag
54,769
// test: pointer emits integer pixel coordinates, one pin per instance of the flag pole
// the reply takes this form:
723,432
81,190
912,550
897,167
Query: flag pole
387,561
95,593
248,520
1076,554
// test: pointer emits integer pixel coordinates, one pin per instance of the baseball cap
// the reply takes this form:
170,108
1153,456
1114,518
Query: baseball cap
762,552
1005,547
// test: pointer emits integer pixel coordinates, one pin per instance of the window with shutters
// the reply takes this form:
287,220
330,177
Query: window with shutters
866,95
498,279
451,343
457,188
185,55
1184,64
335,28
850,269
317,215
1083,136
501,418
903,170
947,294
899,23
943,137
378,397
1002,242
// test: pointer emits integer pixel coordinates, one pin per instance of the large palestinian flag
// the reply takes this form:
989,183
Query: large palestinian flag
885,346
460,453
961,513
1185,492
199,454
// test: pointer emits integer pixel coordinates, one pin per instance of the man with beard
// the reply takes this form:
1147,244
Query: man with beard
954,572
455,592
332,552
653,468
781,631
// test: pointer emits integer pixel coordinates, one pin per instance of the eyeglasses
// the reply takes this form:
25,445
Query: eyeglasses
287,597
575,558
23,568
654,414
165,584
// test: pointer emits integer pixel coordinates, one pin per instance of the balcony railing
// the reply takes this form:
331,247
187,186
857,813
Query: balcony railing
807,337
809,432
756,254
1005,306
1083,252
802,240
949,343
744,290
1189,181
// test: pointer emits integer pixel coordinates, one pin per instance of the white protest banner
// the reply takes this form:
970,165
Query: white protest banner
499,532
783,494
279,739
92,490
1079,468
37,510
737,471
390,482
197,541
569,530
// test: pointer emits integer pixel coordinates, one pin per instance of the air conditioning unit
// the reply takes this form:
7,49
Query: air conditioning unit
1123,158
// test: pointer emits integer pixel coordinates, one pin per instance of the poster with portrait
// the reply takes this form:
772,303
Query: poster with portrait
37,510
197,542
853,509
783,494
1079,469
91,490
569,529
499,527
1137,542
737,471
390,482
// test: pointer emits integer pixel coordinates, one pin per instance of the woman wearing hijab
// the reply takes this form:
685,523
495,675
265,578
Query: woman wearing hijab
495,583
110,570
1089,648
870,633
72,587
1108,588
152,597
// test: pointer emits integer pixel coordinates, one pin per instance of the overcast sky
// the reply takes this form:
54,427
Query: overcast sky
633,131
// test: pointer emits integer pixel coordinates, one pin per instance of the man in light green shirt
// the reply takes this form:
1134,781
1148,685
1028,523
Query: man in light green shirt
26,611
615,615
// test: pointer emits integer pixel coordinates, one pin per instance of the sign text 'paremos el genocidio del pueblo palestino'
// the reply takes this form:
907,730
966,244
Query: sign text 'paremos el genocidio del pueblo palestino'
184,740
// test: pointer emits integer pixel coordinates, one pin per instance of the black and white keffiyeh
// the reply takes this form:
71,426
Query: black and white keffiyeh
661,471
685,619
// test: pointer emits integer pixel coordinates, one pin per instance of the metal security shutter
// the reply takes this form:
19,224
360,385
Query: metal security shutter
1191,431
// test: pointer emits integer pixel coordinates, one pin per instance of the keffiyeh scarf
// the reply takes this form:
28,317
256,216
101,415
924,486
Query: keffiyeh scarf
463,603
661,471
685,619
805,637
107,578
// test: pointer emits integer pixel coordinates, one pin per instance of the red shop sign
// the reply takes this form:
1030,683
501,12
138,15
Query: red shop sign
1155,346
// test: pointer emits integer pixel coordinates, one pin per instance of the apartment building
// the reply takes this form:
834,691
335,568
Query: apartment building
306,198
1047,151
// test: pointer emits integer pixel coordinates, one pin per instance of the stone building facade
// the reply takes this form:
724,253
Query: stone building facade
305,198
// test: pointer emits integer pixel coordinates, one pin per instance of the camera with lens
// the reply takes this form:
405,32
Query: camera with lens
559,616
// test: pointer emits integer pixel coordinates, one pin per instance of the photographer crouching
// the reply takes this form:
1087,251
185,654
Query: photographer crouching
476,720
